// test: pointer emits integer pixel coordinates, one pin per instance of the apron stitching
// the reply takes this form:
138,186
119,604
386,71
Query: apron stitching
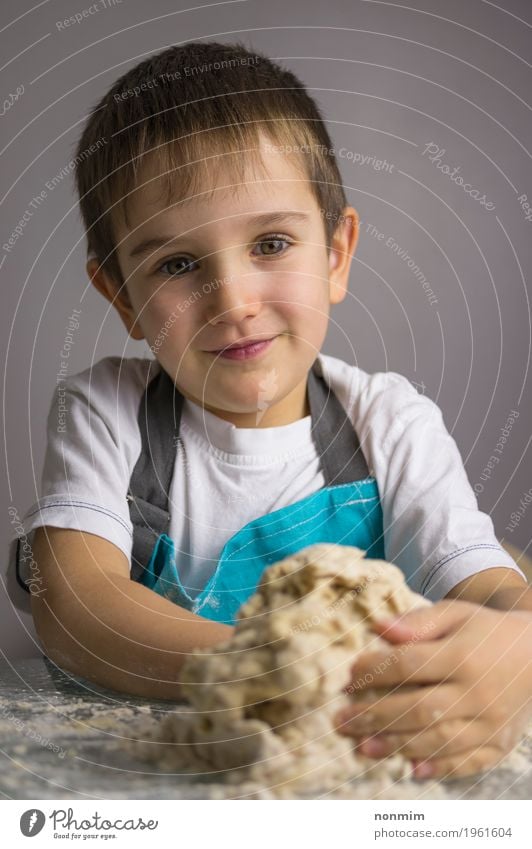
353,483
340,486
359,501
199,605
311,496
305,521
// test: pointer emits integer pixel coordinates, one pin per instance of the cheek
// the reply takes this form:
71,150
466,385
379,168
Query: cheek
304,300
164,321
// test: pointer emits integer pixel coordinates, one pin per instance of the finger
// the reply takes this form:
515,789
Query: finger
425,623
470,762
426,663
442,740
420,707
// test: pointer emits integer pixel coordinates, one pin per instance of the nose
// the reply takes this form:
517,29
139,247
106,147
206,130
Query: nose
232,296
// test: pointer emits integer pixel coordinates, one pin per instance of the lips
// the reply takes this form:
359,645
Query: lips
238,345
240,353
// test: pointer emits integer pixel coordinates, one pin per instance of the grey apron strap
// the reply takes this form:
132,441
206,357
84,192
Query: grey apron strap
158,419
21,581
341,457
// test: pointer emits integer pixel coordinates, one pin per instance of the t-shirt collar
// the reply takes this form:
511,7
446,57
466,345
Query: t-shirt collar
225,436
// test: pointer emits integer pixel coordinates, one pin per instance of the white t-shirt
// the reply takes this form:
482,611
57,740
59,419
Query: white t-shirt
224,476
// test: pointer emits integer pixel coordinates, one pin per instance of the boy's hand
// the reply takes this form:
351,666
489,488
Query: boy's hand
472,667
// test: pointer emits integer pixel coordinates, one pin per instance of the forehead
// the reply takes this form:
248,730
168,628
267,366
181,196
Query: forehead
275,179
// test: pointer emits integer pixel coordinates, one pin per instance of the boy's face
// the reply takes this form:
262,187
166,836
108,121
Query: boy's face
225,278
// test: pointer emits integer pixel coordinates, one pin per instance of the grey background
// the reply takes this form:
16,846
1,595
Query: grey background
390,79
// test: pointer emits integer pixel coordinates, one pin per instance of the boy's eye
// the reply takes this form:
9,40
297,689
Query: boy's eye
181,264
273,245
178,266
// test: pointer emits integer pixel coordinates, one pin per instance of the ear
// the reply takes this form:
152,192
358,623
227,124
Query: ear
343,246
117,296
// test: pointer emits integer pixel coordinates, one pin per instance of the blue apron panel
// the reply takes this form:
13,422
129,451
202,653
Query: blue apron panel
349,514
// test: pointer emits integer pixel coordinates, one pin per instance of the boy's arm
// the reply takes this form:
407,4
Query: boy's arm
94,621
498,587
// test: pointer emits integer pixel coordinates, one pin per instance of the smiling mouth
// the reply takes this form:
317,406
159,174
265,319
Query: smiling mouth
237,346
248,351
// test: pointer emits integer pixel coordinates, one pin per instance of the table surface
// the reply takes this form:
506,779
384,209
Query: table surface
65,738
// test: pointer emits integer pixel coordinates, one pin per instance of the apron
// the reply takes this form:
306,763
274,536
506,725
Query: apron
346,511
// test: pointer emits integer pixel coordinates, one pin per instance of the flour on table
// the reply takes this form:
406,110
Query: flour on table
263,702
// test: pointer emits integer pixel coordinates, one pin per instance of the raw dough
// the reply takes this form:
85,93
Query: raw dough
263,702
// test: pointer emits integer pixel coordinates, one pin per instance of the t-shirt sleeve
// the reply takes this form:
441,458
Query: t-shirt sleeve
91,451
433,528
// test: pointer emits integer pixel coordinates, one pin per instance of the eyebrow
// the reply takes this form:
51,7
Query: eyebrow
279,217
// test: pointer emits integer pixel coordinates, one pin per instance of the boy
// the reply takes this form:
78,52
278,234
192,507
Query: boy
219,229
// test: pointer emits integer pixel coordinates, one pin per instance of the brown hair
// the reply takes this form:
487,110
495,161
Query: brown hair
188,106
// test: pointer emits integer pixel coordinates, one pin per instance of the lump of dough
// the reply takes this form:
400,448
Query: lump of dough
263,702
